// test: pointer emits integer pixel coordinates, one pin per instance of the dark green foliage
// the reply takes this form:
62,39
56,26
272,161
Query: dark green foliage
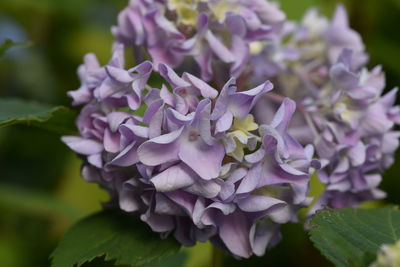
57,119
351,237
121,238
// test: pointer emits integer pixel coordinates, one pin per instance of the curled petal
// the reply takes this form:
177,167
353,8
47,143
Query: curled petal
82,145
256,203
160,149
173,178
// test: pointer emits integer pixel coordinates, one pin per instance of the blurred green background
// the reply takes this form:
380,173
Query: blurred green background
41,192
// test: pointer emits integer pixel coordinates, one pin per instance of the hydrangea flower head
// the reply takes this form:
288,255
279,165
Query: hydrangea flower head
217,151
195,164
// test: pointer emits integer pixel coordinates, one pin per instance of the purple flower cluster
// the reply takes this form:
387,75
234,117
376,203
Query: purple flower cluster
209,32
202,160
194,164
344,112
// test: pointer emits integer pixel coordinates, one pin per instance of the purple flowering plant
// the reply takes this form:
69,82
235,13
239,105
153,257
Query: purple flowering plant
249,107
211,118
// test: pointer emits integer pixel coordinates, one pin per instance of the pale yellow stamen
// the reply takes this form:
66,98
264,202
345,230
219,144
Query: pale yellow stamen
186,11
256,47
240,134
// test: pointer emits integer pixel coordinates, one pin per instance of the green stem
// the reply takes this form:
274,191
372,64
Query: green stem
217,257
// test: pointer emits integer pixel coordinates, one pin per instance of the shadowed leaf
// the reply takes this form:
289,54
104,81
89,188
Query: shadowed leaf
121,238
351,237
17,111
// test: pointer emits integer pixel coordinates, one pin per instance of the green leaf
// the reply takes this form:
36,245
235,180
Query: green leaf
118,236
7,44
351,237
176,260
17,111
